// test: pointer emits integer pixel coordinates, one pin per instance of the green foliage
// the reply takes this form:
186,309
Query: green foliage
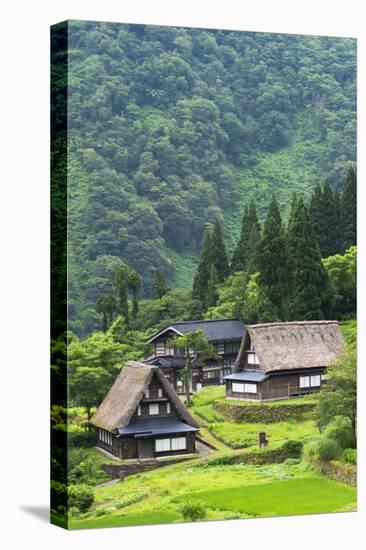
349,455
273,261
311,291
80,496
238,435
178,126
278,411
349,331
339,395
208,395
348,206
241,296
159,284
324,213
245,253
341,271
193,511
327,449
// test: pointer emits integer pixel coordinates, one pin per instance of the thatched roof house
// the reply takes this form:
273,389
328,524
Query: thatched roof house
283,359
140,408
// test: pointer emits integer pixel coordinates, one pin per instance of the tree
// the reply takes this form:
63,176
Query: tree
273,261
195,344
341,270
106,306
323,211
349,209
241,296
219,254
134,283
203,270
212,284
311,291
339,395
244,255
159,284
121,284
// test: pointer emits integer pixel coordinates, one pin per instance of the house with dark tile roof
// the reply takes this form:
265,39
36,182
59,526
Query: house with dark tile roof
224,334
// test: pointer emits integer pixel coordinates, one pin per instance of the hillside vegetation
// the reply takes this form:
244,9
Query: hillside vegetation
172,128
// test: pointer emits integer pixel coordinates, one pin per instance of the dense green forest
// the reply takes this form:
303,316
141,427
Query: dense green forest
171,129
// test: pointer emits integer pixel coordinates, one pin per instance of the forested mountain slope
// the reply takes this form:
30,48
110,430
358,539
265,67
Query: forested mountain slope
171,128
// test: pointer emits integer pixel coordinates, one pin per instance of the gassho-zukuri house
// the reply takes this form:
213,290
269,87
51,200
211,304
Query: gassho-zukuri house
142,417
224,334
281,360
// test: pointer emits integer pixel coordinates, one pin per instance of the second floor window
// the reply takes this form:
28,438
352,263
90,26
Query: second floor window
153,409
252,358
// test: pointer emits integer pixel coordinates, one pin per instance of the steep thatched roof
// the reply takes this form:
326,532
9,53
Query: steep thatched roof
295,345
120,403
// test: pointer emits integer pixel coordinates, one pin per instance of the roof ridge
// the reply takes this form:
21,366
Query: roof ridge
205,321
294,323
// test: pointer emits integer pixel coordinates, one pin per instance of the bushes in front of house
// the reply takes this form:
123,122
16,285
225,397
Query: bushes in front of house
334,440
349,455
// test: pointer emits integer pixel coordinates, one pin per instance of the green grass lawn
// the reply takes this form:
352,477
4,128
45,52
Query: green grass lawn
280,498
164,491
293,401
246,434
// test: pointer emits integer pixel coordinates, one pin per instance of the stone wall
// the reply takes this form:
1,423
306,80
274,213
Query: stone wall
340,471
265,412
123,470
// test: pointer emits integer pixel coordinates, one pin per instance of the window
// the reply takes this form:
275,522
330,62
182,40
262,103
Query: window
239,387
232,347
154,408
212,373
169,350
147,393
168,407
178,443
162,445
170,444
139,410
160,348
220,348
160,392
252,358
313,381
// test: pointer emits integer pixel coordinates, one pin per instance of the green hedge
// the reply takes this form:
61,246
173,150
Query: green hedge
265,412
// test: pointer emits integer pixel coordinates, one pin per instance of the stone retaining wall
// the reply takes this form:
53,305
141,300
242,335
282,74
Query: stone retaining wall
265,413
122,470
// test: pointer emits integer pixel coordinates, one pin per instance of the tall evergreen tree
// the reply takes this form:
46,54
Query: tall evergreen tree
324,215
159,284
134,283
212,291
106,306
312,296
241,255
121,284
349,210
273,261
203,270
251,264
219,254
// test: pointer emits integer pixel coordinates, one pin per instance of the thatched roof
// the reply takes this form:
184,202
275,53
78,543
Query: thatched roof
295,345
120,403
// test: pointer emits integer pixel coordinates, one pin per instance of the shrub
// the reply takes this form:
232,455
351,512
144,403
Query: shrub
310,455
80,496
293,446
350,456
82,439
340,430
292,461
327,449
193,511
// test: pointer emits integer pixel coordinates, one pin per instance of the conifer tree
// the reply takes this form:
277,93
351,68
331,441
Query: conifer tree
349,210
240,255
121,284
219,254
273,261
324,216
203,270
159,284
312,297
134,283
212,292
251,264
